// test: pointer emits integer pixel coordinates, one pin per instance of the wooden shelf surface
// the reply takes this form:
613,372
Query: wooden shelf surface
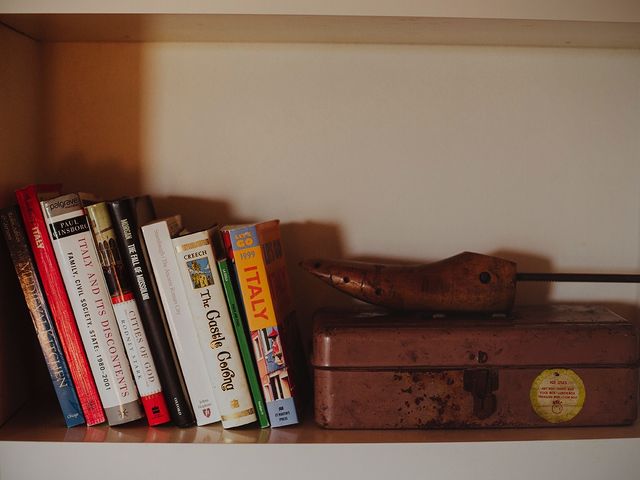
31,425
38,446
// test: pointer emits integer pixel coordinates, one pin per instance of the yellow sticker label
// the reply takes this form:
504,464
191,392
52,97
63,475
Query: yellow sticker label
557,395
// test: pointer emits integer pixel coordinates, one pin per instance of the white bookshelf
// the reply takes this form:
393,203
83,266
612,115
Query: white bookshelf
391,130
576,23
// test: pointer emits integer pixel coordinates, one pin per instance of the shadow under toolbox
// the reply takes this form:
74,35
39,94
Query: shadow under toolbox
543,366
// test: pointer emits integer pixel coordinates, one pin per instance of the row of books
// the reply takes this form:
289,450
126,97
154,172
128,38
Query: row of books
137,317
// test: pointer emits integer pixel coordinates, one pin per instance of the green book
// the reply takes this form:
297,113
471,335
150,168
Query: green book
243,344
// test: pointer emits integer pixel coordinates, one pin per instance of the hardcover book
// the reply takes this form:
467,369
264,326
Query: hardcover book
157,239
258,257
87,290
54,291
200,278
237,315
128,316
16,240
128,215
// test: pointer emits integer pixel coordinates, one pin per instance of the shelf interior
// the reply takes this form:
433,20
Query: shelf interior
575,79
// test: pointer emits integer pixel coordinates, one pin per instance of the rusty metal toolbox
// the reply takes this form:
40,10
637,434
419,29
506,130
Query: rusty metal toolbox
542,366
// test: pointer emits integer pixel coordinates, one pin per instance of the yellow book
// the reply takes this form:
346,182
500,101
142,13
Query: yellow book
257,256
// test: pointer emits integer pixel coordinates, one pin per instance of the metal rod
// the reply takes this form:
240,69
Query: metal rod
578,277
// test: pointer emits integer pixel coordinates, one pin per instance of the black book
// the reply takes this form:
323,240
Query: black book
129,215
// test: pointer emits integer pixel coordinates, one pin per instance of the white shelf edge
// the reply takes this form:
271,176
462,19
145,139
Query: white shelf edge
552,10
584,459
252,28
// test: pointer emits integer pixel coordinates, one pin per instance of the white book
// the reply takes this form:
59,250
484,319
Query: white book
208,305
84,282
157,238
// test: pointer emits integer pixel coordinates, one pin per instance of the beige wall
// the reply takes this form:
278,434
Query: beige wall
385,152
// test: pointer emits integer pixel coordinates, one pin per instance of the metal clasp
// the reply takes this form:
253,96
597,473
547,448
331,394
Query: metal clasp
481,383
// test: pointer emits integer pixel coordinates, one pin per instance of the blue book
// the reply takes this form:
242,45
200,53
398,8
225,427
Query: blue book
13,230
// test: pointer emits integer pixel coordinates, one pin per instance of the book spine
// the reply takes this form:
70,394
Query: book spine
289,341
157,238
243,246
126,225
128,316
197,264
228,282
25,268
56,296
78,259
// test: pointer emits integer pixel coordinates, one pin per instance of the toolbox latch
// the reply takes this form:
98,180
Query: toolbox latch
481,383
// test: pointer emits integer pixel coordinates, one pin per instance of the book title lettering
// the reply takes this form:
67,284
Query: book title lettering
128,336
44,330
37,236
256,295
126,229
137,269
93,336
217,341
86,257
139,339
93,282
116,362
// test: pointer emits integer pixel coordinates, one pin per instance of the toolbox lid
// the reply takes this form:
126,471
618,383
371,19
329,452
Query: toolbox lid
553,335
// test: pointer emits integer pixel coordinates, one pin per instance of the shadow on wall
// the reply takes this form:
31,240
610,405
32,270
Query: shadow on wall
540,293
198,213
309,240
92,127
20,100
300,241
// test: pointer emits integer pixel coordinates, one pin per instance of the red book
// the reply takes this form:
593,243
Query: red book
29,203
